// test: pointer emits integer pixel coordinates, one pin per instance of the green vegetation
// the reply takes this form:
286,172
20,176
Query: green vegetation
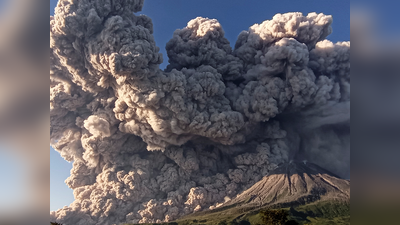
317,213
276,217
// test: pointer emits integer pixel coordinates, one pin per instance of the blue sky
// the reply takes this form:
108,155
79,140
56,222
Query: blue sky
234,16
60,193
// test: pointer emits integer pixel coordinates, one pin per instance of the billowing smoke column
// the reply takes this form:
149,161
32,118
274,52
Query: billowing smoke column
149,145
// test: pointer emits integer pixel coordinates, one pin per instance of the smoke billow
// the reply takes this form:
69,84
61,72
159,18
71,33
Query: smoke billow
149,145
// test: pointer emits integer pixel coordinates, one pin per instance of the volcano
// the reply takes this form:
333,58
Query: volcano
294,183
307,191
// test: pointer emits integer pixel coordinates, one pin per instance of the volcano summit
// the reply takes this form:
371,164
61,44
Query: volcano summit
293,184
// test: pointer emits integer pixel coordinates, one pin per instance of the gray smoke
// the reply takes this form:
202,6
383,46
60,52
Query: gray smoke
149,145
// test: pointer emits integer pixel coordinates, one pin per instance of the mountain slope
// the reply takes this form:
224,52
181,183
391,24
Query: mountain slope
294,183
310,194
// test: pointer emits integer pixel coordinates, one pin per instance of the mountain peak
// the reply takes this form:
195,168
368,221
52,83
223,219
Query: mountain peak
294,183
301,167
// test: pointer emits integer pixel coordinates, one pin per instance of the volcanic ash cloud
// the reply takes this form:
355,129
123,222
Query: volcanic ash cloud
149,145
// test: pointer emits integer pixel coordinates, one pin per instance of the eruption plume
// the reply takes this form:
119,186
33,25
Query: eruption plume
149,145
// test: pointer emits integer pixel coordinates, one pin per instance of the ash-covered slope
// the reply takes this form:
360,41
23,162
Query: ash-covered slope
295,183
